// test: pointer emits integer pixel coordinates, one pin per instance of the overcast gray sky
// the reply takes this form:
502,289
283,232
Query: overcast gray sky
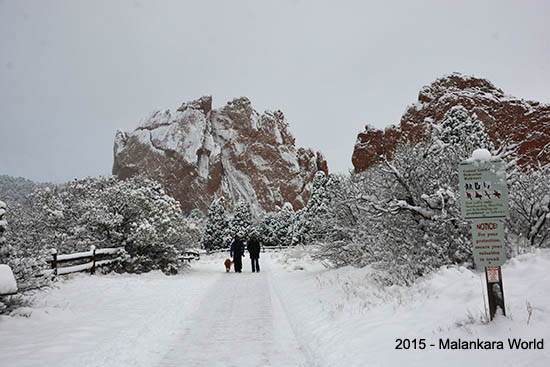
72,72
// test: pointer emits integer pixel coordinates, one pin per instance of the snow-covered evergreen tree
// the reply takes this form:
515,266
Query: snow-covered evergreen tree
465,132
315,223
278,228
216,231
241,221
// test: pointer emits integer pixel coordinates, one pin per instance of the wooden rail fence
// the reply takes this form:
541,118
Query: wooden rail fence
98,257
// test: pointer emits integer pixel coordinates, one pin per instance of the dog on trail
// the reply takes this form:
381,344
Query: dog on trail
228,263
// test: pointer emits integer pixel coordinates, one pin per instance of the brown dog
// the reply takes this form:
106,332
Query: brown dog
228,263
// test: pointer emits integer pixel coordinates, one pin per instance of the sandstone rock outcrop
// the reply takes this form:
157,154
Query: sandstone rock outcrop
199,153
504,117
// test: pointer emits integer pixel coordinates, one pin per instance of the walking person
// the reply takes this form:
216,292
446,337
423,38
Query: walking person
237,252
254,251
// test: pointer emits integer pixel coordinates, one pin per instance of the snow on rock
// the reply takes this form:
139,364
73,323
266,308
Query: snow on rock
504,117
199,153
8,284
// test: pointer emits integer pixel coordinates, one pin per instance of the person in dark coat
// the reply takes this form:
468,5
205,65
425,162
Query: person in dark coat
237,252
254,251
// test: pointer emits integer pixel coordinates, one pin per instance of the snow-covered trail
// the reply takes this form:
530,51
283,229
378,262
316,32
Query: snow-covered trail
110,320
202,317
241,322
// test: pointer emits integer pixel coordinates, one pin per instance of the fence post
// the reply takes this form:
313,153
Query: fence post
53,252
92,249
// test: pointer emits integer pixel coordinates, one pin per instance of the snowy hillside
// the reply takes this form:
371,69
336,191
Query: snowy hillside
15,190
293,313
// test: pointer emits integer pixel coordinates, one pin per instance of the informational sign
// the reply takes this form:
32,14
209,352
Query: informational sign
488,239
493,274
483,189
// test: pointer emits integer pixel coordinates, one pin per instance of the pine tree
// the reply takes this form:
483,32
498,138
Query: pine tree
216,232
463,132
241,222
278,228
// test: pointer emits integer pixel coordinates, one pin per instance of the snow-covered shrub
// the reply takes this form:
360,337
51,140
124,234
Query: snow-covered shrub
21,268
403,215
529,221
26,238
151,223
103,212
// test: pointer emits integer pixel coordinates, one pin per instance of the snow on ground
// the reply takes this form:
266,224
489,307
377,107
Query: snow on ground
348,320
104,320
240,323
294,313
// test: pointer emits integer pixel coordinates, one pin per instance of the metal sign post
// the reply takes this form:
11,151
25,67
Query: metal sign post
495,290
484,201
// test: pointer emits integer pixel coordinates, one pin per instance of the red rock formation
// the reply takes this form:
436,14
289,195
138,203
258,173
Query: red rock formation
198,153
504,117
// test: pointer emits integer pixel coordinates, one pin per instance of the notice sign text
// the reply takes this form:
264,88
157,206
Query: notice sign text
488,238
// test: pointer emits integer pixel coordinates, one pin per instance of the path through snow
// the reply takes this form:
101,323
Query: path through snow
203,317
240,323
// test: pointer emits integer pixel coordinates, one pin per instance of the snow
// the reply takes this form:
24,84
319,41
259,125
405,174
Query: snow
277,133
109,251
260,163
7,281
102,251
294,313
143,136
74,268
76,255
349,319
481,155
